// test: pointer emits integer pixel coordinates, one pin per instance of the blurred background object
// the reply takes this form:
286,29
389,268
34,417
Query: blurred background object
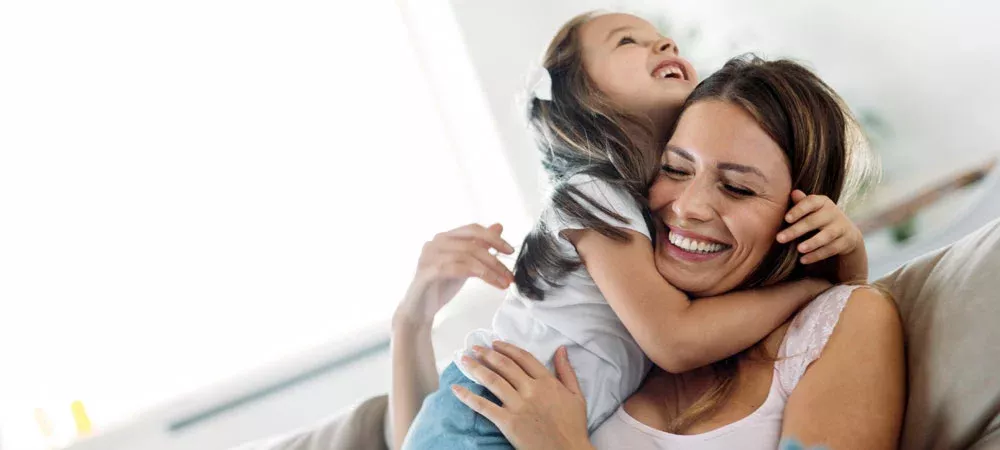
211,209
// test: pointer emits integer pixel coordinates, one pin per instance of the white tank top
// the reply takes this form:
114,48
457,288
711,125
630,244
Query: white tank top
804,341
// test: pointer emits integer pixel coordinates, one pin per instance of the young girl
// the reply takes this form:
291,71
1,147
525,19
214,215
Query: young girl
616,88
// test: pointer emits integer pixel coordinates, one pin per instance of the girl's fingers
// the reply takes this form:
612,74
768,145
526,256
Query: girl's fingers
525,360
490,410
798,195
808,223
503,366
824,237
565,372
824,252
805,206
490,380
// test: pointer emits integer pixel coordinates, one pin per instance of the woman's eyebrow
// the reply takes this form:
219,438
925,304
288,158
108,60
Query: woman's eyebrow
680,152
741,168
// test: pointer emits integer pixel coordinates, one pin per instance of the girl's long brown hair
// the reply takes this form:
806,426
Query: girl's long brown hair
579,132
825,153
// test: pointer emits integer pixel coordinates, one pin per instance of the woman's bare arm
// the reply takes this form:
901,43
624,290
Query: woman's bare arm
446,262
854,395
414,375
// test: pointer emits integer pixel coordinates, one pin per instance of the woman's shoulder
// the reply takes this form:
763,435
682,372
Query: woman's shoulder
868,315
858,314
859,307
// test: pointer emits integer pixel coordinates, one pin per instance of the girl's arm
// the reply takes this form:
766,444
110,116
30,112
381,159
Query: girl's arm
678,334
854,395
445,264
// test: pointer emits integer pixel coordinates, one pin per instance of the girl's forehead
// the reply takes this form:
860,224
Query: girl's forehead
601,26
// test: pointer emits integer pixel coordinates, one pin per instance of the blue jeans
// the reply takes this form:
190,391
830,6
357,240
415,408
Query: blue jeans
445,423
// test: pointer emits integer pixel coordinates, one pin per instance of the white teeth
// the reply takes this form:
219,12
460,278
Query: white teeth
667,71
694,246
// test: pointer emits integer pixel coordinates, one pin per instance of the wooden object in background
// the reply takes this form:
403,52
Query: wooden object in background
908,208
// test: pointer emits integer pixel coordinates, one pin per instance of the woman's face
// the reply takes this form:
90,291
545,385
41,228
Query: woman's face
721,196
635,67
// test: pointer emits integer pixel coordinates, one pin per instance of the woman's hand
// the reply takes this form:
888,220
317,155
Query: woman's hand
837,236
446,262
540,411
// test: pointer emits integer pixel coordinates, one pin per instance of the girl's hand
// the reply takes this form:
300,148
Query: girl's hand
446,262
837,235
540,411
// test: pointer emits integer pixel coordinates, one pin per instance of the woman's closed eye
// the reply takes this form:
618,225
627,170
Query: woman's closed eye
731,189
738,191
673,171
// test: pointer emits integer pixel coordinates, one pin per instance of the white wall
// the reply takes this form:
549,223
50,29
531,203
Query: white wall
928,67
300,405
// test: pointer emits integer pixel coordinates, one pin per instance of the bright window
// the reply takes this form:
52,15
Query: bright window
190,189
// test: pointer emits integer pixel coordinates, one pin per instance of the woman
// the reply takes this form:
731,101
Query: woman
833,375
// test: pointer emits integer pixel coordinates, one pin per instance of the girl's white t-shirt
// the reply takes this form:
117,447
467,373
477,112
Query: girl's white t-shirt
608,362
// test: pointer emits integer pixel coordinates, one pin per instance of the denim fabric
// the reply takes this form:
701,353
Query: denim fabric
445,423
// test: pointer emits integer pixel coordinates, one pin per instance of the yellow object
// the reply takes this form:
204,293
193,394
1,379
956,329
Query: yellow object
83,427
44,423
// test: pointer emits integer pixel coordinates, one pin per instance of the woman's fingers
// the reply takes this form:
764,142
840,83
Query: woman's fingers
834,248
490,410
476,269
503,366
472,249
491,380
488,273
565,372
490,236
525,360
462,259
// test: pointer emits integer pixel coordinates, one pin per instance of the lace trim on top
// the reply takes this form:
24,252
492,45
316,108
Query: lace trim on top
807,335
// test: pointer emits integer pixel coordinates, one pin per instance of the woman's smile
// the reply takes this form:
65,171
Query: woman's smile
689,246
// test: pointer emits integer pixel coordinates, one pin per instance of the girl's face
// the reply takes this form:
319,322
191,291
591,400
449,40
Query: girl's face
637,68
721,196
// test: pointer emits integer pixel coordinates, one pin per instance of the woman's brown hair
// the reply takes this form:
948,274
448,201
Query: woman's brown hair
580,132
825,152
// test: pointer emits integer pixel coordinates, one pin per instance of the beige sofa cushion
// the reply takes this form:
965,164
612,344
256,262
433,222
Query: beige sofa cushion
949,303
361,427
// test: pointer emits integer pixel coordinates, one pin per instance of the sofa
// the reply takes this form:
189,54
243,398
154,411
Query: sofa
949,300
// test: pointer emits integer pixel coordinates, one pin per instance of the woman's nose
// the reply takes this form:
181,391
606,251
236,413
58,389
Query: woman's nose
692,205
665,45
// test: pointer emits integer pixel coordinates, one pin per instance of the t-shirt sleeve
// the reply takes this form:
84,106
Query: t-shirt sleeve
608,196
